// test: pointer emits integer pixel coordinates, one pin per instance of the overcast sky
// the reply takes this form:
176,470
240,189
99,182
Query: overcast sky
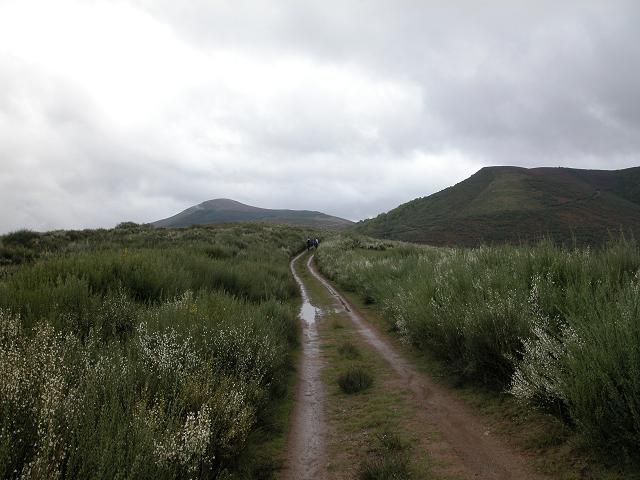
136,109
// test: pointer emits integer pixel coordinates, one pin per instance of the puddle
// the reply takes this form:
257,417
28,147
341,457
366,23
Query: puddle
308,312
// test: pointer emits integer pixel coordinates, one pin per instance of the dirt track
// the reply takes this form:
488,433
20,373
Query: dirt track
467,447
305,449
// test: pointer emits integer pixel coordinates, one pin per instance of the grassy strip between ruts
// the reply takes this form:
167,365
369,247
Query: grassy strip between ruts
370,436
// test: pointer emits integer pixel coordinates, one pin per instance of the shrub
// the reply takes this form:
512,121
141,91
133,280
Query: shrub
589,369
355,380
127,226
390,460
121,356
15,255
556,327
23,238
385,468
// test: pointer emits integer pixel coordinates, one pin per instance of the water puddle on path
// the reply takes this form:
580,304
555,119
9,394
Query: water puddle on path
308,312
305,453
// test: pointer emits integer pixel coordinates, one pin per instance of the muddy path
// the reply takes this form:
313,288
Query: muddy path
467,446
305,458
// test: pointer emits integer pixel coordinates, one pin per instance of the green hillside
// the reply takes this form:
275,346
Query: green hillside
223,210
513,204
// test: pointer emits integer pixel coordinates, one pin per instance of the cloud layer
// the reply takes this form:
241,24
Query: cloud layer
113,110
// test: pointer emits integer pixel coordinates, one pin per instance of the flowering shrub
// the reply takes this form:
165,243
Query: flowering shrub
557,328
139,362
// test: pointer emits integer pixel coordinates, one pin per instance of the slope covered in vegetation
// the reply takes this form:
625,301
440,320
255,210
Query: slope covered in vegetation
142,353
558,329
514,205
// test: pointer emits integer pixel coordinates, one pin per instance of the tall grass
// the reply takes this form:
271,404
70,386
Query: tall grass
142,353
555,327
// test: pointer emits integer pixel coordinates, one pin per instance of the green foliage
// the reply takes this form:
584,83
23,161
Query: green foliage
136,353
24,238
131,226
556,327
354,380
15,255
17,247
389,461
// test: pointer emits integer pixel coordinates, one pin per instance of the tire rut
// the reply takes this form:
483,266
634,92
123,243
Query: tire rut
305,458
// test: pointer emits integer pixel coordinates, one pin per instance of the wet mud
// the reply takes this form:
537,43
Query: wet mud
305,457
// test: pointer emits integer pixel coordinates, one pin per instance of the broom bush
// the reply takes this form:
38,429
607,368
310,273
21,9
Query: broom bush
142,353
558,328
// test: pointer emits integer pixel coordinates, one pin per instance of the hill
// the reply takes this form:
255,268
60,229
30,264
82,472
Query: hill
513,204
222,210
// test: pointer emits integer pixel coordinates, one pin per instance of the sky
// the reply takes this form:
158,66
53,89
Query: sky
133,110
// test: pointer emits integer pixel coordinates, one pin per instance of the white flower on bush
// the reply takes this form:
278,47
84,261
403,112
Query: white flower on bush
538,376
165,352
220,425
541,375
239,350
34,382
188,445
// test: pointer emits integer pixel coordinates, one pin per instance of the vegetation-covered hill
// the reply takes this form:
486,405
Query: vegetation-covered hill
513,204
223,210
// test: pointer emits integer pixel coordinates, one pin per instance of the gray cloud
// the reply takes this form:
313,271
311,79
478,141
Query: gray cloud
348,107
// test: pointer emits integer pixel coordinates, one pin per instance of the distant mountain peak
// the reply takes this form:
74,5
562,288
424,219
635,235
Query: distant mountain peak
222,210
226,204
